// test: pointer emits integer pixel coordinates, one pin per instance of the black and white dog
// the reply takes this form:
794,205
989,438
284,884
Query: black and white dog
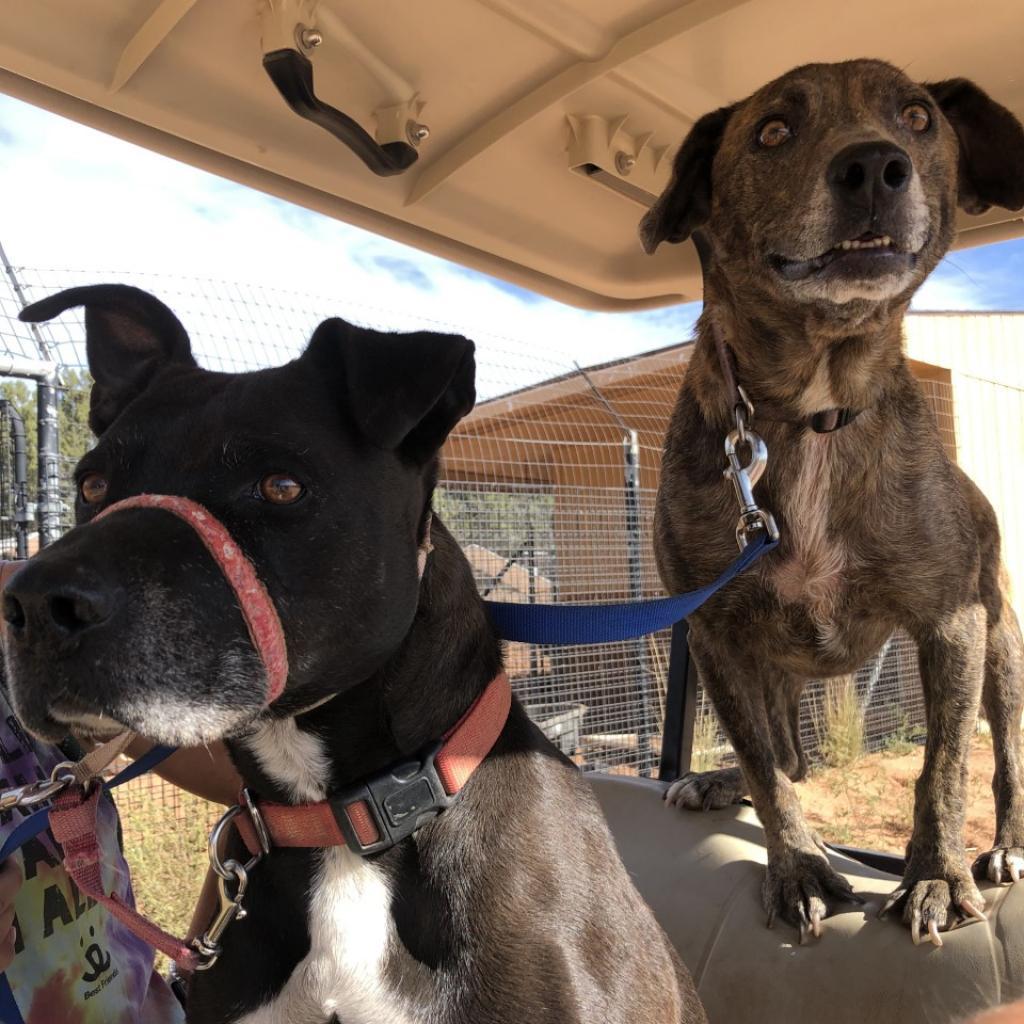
512,905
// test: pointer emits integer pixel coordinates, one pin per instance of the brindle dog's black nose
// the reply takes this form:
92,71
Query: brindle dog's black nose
59,612
867,171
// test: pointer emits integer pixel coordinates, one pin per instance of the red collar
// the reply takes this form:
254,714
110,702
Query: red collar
378,812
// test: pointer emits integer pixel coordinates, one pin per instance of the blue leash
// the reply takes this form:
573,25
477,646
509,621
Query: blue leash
607,623
523,623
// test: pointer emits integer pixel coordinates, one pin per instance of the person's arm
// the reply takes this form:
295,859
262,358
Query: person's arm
205,771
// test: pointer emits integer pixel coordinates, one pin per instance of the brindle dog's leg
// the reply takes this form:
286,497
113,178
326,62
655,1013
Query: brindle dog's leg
799,881
937,888
720,787
1003,700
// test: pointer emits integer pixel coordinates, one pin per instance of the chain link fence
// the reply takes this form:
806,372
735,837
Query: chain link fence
549,485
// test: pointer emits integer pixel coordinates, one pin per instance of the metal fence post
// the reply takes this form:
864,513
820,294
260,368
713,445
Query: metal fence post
48,460
20,481
634,554
680,707
47,442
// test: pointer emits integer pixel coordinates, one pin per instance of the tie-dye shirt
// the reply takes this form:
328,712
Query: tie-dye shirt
73,963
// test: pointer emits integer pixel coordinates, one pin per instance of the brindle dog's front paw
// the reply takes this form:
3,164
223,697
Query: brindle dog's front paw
1002,864
707,791
935,904
799,885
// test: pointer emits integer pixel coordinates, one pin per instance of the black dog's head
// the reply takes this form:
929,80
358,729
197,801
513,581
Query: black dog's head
839,183
321,470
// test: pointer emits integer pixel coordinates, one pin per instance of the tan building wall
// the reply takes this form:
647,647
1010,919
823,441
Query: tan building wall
984,355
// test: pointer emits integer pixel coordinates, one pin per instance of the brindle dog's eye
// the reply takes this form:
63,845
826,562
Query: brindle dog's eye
774,133
916,117
280,488
93,488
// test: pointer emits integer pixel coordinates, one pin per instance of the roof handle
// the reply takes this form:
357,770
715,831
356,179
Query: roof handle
292,74
286,41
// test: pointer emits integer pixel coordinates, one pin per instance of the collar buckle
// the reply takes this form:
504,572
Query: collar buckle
400,800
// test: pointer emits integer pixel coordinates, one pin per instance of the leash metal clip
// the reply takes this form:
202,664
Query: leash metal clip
752,518
229,872
231,909
40,791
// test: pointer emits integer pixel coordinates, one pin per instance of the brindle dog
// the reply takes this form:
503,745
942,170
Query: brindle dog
819,205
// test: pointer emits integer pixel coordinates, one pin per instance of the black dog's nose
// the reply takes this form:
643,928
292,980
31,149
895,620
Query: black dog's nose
870,170
64,610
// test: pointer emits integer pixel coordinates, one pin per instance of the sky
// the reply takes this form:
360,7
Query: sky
74,198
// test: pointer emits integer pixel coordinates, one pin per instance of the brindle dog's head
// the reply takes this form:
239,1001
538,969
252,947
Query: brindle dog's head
838,183
322,471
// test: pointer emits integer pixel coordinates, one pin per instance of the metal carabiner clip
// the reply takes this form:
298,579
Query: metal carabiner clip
38,792
752,517
208,947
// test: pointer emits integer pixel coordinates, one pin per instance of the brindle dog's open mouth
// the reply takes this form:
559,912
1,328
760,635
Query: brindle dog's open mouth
868,256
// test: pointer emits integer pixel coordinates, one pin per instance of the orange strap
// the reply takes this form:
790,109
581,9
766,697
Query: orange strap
316,825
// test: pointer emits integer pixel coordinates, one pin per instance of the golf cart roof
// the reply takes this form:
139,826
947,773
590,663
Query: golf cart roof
549,123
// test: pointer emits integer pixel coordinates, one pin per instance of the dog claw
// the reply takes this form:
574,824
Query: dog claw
933,933
816,924
915,928
1001,865
972,911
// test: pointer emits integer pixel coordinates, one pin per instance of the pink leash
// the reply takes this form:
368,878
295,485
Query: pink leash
73,815
73,823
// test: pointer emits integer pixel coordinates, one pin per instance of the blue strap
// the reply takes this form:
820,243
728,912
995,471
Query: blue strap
35,823
9,1012
607,623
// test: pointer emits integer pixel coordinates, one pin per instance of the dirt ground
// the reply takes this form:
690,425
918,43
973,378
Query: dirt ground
870,803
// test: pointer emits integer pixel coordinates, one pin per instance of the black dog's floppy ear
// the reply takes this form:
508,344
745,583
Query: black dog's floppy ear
405,391
686,204
991,146
128,335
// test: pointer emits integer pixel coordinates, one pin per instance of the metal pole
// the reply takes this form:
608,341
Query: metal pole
21,516
531,593
680,707
634,547
48,494
45,373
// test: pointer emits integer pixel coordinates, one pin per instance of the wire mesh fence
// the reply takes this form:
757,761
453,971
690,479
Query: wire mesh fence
549,485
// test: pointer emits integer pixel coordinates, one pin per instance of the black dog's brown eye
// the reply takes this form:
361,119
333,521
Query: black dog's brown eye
281,489
93,488
916,117
774,133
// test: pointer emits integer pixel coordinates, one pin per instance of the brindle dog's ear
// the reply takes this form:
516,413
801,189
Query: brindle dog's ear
991,146
128,335
686,204
405,391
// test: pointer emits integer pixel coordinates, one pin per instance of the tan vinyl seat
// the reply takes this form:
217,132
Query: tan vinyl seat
701,874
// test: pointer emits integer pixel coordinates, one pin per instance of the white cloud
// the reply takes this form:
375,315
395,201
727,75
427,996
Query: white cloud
86,201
